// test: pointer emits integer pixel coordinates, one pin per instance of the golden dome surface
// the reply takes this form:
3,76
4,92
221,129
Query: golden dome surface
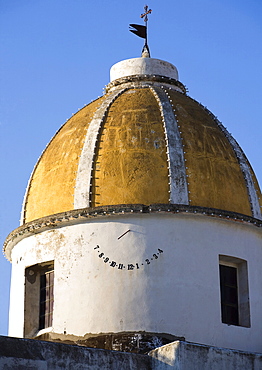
145,141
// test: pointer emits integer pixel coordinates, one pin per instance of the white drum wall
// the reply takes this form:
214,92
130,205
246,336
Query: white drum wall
177,293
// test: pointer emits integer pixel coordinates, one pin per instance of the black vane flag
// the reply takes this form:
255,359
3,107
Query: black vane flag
138,30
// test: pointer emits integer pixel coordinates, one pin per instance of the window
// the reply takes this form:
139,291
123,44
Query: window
234,293
39,298
229,294
46,299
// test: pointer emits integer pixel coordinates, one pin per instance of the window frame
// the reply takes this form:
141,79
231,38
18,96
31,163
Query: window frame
32,300
46,298
243,305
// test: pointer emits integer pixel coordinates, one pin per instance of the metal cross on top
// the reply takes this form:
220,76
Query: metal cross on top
147,11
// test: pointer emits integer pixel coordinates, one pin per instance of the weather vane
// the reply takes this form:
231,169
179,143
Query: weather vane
141,31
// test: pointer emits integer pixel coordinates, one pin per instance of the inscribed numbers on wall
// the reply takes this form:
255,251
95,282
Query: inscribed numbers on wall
128,266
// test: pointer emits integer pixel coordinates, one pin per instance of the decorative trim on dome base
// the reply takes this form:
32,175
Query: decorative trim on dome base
76,215
146,78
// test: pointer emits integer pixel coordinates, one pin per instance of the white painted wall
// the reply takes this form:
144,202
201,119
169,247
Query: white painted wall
176,293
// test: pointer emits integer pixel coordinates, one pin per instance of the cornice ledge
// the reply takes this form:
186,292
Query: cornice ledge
147,78
76,215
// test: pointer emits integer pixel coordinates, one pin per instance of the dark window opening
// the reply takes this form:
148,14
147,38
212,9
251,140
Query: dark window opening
229,295
39,298
46,299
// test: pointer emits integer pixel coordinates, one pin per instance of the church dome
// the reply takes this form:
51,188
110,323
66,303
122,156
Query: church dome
145,141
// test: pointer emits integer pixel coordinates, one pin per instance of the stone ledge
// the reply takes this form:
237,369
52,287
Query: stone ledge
133,342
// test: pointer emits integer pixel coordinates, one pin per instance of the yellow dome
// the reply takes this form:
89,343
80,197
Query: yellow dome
145,141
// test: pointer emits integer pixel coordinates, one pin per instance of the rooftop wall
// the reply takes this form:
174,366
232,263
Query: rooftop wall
26,353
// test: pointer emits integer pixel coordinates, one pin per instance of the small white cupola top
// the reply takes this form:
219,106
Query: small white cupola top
143,66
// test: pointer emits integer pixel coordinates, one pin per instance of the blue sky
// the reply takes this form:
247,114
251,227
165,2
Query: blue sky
56,55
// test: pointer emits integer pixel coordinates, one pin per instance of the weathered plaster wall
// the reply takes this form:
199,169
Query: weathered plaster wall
24,354
18,354
144,272
190,356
